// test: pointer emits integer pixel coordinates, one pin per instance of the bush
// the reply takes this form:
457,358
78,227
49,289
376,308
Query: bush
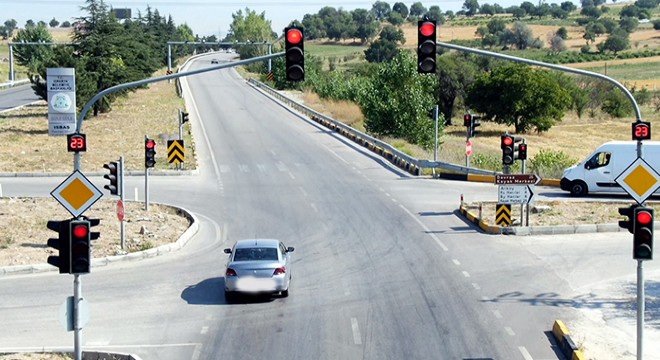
550,164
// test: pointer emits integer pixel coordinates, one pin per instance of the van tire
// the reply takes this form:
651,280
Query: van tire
578,188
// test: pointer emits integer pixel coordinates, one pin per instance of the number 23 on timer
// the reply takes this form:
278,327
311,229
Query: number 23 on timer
76,142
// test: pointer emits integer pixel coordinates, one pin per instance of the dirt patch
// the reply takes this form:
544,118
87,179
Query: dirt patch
24,233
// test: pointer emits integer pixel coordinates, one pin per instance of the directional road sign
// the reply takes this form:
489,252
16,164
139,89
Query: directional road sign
640,180
515,194
517,179
76,193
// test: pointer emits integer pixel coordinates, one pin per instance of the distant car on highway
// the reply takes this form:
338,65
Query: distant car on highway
258,266
215,61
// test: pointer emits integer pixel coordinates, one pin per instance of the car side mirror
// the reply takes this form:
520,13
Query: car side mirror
587,166
290,249
227,251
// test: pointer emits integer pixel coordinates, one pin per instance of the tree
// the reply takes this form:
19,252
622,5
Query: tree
32,56
395,18
417,10
380,10
65,24
314,26
30,23
559,13
393,34
53,23
568,6
400,8
517,12
647,4
617,41
562,33
521,96
628,24
656,24
250,26
397,100
471,7
557,44
455,75
487,9
520,36
435,14
10,26
367,26
591,12
380,51
529,7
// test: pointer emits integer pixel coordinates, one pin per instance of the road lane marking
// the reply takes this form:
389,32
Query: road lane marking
456,262
509,331
291,176
314,207
205,329
525,353
356,331
476,286
466,274
497,314
432,235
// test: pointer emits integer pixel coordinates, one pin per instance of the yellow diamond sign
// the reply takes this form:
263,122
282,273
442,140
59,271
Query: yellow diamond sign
639,180
76,193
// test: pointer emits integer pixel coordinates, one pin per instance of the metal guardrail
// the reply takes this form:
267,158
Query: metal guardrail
396,157
10,84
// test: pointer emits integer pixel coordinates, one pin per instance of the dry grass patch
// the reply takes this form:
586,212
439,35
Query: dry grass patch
152,112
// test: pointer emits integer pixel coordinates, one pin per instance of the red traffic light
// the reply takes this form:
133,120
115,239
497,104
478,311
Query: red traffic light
507,141
427,28
293,36
644,218
150,144
80,231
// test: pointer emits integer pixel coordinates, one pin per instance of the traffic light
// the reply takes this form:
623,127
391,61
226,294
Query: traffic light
467,120
507,144
643,234
113,176
149,153
474,123
522,152
628,212
81,251
426,45
184,117
294,47
62,260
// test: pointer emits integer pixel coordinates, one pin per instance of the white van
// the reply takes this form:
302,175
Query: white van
598,171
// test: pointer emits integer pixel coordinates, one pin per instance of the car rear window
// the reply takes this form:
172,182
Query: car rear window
248,254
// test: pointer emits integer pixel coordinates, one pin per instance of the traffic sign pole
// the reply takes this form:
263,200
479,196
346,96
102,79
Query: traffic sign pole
122,198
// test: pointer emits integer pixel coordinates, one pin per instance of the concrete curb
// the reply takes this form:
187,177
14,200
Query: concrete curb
537,230
108,260
566,344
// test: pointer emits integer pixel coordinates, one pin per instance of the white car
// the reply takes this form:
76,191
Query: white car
258,266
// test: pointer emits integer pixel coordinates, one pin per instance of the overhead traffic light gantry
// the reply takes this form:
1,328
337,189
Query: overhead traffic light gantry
426,46
294,47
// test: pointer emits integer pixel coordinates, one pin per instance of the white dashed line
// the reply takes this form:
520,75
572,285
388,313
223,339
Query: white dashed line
509,331
525,353
497,314
466,274
205,329
314,207
291,176
356,332
476,286
456,262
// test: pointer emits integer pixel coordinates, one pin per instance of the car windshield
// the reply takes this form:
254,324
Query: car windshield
249,254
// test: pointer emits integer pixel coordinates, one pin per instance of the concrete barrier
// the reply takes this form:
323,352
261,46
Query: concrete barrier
566,344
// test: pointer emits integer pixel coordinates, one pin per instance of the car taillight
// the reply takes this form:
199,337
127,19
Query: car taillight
280,271
230,272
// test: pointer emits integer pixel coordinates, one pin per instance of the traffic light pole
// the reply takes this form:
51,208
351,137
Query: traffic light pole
121,198
436,109
146,184
77,331
640,309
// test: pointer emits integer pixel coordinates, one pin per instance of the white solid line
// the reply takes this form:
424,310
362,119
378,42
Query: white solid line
525,353
335,154
356,331
458,263
197,352
509,331
440,243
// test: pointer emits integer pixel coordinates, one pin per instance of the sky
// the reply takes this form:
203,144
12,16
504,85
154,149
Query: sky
207,17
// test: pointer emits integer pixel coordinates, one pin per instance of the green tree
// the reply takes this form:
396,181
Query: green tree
562,33
520,96
65,24
487,9
616,42
517,12
417,10
32,56
520,36
367,26
568,6
53,23
381,50
400,8
455,75
647,4
435,14
471,7
250,26
397,100
629,24
393,34
315,27
381,10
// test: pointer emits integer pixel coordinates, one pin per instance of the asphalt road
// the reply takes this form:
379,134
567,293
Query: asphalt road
16,96
383,267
